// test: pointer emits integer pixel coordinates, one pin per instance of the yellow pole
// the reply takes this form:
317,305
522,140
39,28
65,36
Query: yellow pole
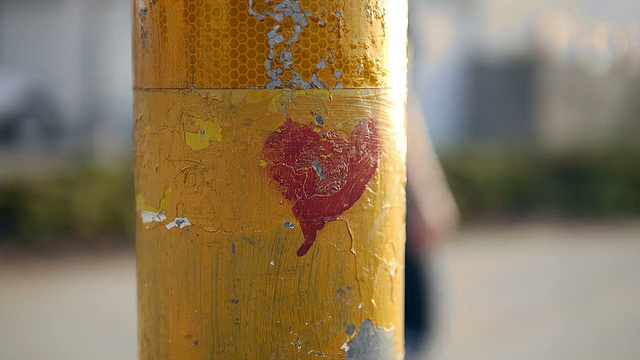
270,168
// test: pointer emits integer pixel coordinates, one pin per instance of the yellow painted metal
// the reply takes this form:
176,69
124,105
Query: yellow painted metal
224,44
218,273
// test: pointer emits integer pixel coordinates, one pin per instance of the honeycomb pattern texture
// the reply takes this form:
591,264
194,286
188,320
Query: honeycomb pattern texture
270,44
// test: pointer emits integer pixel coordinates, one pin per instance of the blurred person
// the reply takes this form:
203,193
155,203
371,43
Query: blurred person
431,214
431,209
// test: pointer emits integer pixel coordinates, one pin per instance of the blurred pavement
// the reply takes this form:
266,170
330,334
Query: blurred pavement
551,292
69,308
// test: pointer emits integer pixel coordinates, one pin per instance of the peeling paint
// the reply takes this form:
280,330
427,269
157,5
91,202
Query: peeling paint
322,64
149,217
179,223
286,9
218,197
372,343
297,342
143,12
289,9
152,214
318,168
316,81
205,25
209,131
351,329
345,346
228,201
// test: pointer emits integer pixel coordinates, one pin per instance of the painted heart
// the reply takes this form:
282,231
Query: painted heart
320,173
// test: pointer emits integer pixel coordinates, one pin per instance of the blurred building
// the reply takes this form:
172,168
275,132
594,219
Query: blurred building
79,53
561,73
547,74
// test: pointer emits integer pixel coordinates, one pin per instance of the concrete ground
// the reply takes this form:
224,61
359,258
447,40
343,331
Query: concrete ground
521,292
553,292
69,308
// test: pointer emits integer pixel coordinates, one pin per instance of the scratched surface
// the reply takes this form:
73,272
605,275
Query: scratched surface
218,239
270,165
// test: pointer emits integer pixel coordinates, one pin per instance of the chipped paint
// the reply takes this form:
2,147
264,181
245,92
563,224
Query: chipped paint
297,342
150,214
149,217
191,41
231,283
179,223
209,131
287,9
351,329
213,191
280,64
372,343
318,168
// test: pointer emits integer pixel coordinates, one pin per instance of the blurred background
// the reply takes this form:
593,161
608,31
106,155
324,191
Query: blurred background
534,111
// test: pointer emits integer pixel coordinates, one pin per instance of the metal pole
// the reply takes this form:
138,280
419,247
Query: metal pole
270,167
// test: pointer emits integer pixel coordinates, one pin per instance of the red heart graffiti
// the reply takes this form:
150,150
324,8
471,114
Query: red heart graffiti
320,173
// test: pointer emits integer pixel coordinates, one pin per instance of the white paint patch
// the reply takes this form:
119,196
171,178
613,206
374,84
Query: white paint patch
345,346
179,222
150,216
